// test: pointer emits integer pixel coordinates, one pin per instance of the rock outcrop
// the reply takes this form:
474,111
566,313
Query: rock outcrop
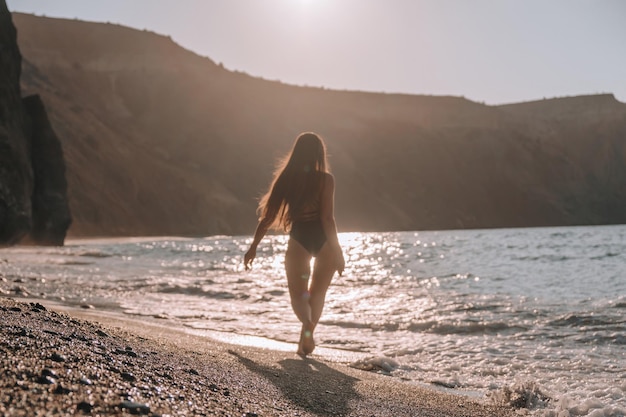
16,177
32,174
50,210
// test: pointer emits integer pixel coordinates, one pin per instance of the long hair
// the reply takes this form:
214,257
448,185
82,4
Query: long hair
297,181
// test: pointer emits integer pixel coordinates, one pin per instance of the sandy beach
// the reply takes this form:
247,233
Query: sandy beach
55,363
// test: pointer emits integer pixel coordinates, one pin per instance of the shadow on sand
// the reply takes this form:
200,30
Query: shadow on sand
309,384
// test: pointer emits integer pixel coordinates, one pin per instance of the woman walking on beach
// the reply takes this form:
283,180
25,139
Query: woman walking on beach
301,200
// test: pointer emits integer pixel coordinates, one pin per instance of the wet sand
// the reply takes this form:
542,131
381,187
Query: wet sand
83,363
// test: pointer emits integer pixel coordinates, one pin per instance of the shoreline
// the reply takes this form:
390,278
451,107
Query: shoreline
89,364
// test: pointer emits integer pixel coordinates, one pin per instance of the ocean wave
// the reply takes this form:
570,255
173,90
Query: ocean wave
545,258
200,292
586,319
471,307
465,328
616,338
71,262
606,255
91,254
433,327
346,324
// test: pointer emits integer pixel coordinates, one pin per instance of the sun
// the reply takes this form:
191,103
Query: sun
305,4
309,6
308,3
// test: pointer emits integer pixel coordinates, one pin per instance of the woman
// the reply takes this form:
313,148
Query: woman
301,200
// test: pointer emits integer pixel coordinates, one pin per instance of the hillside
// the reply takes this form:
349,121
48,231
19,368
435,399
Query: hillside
161,141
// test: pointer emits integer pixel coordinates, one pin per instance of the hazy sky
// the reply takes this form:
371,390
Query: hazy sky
493,51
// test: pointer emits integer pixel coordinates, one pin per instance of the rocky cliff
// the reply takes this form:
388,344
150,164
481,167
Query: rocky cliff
159,140
15,171
32,183
50,210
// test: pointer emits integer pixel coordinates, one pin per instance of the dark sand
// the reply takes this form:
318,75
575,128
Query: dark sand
57,364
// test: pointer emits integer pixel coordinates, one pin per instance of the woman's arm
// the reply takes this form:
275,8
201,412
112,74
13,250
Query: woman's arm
327,215
261,230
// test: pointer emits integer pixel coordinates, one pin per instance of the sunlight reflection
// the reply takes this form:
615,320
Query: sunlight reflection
276,264
349,240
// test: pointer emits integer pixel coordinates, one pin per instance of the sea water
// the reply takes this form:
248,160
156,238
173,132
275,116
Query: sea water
534,317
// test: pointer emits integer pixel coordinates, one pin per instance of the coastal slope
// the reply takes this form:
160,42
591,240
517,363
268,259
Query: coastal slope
161,141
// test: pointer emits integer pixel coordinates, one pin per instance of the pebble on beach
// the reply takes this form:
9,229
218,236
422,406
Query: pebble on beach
50,361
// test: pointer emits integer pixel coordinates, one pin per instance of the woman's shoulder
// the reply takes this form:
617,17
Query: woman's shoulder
328,181
327,177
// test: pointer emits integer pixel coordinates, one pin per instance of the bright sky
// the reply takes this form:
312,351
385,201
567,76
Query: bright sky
493,51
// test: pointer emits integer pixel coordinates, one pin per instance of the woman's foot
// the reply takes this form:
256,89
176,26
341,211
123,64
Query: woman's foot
306,346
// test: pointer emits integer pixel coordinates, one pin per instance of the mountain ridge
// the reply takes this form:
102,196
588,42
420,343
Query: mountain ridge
169,142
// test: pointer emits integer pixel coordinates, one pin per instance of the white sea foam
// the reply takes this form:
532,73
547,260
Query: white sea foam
376,364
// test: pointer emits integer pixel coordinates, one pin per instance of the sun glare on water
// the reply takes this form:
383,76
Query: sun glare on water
349,240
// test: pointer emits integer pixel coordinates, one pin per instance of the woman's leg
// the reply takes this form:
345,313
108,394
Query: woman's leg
323,271
298,270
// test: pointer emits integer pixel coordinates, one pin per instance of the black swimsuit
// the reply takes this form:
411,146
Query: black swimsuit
310,234
307,227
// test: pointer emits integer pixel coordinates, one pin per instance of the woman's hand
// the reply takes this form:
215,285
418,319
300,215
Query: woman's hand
249,257
341,262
